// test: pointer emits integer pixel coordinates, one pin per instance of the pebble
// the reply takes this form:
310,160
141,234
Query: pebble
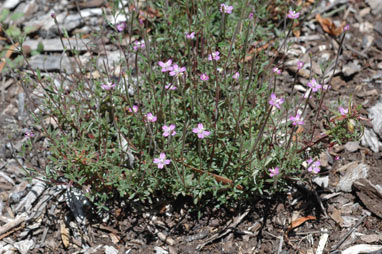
351,68
352,146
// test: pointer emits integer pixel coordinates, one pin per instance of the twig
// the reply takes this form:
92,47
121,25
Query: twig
12,224
228,229
335,247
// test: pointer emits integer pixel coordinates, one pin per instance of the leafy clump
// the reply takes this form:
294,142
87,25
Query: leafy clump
191,108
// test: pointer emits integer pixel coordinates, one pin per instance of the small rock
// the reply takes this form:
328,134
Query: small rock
323,182
51,63
110,250
367,41
375,113
159,250
378,27
353,173
375,5
24,246
366,27
55,45
378,43
370,139
351,68
10,4
352,146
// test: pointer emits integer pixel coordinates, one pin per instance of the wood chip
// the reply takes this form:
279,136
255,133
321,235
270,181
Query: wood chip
64,232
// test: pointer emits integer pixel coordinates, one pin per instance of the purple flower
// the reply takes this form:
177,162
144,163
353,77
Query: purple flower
169,86
343,111
293,14
226,8
337,158
236,75
274,101
139,45
214,55
151,118
108,86
29,134
296,120
190,36
121,26
273,171
346,27
168,130
300,64
202,133
314,85
134,109
166,66
204,77
161,161
313,166
250,16
276,70
177,71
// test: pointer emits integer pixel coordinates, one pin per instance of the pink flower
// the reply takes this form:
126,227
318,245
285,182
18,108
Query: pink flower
177,71
276,70
108,86
139,45
226,8
326,87
337,158
134,109
273,171
274,101
121,26
314,85
204,77
293,14
343,111
166,66
151,118
346,27
296,120
215,56
202,133
236,75
161,161
168,130
300,64
29,134
169,86
190,36
250,16
313,165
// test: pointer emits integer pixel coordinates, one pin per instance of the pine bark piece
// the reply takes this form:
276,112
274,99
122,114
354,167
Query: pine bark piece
370,195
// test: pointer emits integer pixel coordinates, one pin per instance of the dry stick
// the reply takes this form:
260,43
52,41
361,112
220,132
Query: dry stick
12,224
335,247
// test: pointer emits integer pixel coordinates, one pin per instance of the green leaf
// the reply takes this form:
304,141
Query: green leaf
30,29
13,32
40,47
4,14
17,15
